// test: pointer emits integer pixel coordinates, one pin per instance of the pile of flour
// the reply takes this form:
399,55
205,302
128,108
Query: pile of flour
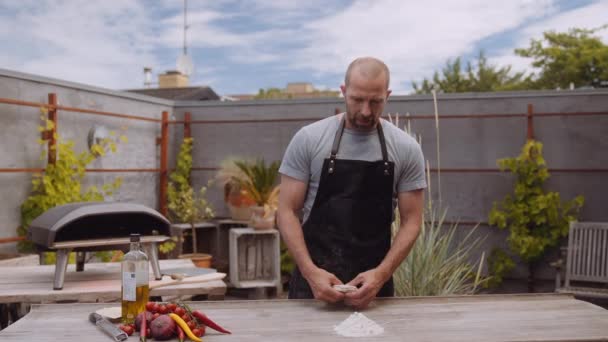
357,325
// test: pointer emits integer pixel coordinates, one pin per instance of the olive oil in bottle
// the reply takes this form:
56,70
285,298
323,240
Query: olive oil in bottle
135,273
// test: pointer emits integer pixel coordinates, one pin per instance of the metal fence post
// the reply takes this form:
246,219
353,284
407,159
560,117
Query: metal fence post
187,125
51,134
164,147
530,122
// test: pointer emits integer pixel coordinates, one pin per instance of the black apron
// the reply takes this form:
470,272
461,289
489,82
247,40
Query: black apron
348,230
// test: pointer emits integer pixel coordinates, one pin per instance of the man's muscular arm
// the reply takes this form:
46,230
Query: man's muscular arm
291,199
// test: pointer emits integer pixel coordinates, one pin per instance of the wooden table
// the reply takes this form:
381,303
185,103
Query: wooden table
99,282
552,317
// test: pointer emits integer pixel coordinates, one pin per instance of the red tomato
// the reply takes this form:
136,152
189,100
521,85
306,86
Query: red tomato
162,309
151,306
191,325
127,329
179,311
172,307
198,332
186,318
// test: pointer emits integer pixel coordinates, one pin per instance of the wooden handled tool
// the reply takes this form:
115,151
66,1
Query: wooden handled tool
187,280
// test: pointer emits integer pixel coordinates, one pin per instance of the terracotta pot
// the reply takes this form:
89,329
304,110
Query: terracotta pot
201,260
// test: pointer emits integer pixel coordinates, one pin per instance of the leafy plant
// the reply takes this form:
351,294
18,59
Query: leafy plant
287,262
455,78
577,57
260,180
537,220
229,177
61,182
438,264
191,208
184,204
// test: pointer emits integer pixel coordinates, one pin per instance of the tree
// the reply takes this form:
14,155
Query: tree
536,220
482,77
272,93
574,57
184,204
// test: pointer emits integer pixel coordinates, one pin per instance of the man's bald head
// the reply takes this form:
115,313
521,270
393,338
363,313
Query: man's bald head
369,67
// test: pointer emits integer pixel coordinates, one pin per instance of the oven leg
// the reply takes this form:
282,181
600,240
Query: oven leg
80,257
152,251
61,264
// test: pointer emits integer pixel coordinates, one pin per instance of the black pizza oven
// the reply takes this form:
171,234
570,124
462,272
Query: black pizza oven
97,226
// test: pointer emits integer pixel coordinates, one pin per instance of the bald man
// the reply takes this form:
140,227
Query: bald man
341,178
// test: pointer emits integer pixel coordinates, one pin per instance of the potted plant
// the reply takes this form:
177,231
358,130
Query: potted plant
186,206
260,182
239,202
250,190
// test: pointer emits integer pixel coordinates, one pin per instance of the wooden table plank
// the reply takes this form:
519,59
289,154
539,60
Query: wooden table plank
99,282
485,318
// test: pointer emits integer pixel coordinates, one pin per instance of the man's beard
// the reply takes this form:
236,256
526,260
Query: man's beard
359,122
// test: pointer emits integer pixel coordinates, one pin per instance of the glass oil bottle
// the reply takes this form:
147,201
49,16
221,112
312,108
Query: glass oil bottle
135,274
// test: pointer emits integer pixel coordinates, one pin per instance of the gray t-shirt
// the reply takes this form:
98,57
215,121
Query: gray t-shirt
303,159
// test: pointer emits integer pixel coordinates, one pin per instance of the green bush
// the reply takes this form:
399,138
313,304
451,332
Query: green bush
536,220
185,206
61,183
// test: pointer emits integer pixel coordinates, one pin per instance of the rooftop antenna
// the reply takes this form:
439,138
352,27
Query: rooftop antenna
184,62
147,77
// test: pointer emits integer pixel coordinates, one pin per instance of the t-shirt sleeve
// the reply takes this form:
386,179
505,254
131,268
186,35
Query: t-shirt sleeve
412,176
296,161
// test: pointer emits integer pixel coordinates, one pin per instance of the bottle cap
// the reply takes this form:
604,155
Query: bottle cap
134,237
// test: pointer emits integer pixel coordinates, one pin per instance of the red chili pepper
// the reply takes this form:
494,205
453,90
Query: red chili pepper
208,322
180,333
143,328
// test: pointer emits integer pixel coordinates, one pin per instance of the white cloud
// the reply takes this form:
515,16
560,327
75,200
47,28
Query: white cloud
201,30
107,43
588,17
103,43
412,37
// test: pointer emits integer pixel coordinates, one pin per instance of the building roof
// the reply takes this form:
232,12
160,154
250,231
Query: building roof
182,93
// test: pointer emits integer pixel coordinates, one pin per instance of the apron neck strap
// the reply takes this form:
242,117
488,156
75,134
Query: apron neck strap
340,131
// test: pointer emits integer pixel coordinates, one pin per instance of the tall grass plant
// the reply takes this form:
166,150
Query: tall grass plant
440,262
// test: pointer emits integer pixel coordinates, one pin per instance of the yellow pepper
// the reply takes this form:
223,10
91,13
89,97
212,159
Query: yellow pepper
185,327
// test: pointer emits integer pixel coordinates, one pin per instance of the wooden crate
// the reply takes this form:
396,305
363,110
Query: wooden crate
255,258
206,236
222,258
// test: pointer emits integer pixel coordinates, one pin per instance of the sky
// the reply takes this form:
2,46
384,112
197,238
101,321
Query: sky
238,47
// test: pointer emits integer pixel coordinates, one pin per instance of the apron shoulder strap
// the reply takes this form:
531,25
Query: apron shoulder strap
382,141
336,146
383,147
338,138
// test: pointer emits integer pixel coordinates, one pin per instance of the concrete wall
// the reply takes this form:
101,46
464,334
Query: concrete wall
19,134
570,142
466,143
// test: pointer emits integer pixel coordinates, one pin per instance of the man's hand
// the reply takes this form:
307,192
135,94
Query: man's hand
321,283
369,284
